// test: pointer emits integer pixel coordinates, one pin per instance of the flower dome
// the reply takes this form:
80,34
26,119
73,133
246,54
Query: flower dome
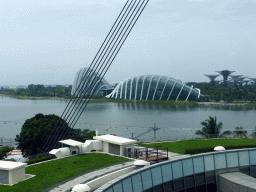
153,87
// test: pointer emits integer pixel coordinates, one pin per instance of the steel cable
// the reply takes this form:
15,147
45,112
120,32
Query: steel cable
92,80
90,93
56,128
113,58
92,84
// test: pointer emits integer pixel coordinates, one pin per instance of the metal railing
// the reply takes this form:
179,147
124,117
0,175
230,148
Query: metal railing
8,142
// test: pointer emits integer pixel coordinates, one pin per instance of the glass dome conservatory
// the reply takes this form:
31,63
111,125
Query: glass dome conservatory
153,87
87,81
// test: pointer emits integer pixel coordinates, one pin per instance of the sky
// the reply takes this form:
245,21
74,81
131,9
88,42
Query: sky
47,42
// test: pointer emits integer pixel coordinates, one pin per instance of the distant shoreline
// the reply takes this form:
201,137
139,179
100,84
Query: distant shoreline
134,101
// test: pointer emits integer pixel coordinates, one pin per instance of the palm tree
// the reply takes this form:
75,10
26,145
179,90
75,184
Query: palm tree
240,132
254,133
211,129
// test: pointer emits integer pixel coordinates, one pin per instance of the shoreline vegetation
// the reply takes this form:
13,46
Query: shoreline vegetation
165,102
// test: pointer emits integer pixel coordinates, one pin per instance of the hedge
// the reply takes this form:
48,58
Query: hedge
193,151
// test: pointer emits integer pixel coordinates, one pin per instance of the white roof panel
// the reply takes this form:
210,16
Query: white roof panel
10,165
71,142
115,139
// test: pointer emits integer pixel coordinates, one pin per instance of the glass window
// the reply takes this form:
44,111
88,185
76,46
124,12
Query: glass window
243,158
252,157
156,176
187,167
146,179
177,170
136,183
118,187
220,161
109,190
232,159
198,165
209,163
127,185
167,172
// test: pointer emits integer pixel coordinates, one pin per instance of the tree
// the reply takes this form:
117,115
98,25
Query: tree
4,150
82,135
211,129
35,131
254,133
240,132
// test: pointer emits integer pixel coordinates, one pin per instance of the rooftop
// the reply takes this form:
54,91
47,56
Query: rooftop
9,165
115,139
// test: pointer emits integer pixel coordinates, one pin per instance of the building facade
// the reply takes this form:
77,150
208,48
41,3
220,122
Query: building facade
202,172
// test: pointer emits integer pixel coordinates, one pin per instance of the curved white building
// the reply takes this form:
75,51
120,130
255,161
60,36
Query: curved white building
153,87
88,81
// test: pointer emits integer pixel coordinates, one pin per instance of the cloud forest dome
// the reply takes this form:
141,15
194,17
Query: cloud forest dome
153,87
89,78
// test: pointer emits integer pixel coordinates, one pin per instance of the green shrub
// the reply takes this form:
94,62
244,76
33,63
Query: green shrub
39,160
12,159
240,146
193,151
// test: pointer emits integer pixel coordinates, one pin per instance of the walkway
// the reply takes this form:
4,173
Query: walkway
67,186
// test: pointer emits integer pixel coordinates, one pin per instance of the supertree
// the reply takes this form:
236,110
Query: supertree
225,74
212,78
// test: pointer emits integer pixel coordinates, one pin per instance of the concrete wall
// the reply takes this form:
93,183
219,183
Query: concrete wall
4,176
96,183
105,147
236,182
76,148
16,175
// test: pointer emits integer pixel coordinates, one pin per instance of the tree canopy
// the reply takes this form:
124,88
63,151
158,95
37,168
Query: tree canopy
212,129
36,130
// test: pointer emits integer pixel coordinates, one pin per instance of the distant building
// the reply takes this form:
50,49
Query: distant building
153,87
87,81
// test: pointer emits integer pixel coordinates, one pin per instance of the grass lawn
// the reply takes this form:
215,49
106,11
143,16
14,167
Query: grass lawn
181,146
50,173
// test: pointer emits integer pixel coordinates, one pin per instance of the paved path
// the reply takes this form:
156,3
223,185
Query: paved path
67,186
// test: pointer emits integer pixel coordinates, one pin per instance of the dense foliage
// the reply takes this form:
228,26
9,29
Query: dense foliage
39,91
3,151
229,94
35,131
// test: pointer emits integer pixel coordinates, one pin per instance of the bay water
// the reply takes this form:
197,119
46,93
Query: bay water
128,119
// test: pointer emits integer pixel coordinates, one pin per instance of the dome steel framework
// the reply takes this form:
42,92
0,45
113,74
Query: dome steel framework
101,87
153,87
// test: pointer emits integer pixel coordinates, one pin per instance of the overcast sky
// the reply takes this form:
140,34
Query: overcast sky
47,42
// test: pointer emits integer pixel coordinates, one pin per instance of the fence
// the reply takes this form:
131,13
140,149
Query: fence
8,142
242,134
